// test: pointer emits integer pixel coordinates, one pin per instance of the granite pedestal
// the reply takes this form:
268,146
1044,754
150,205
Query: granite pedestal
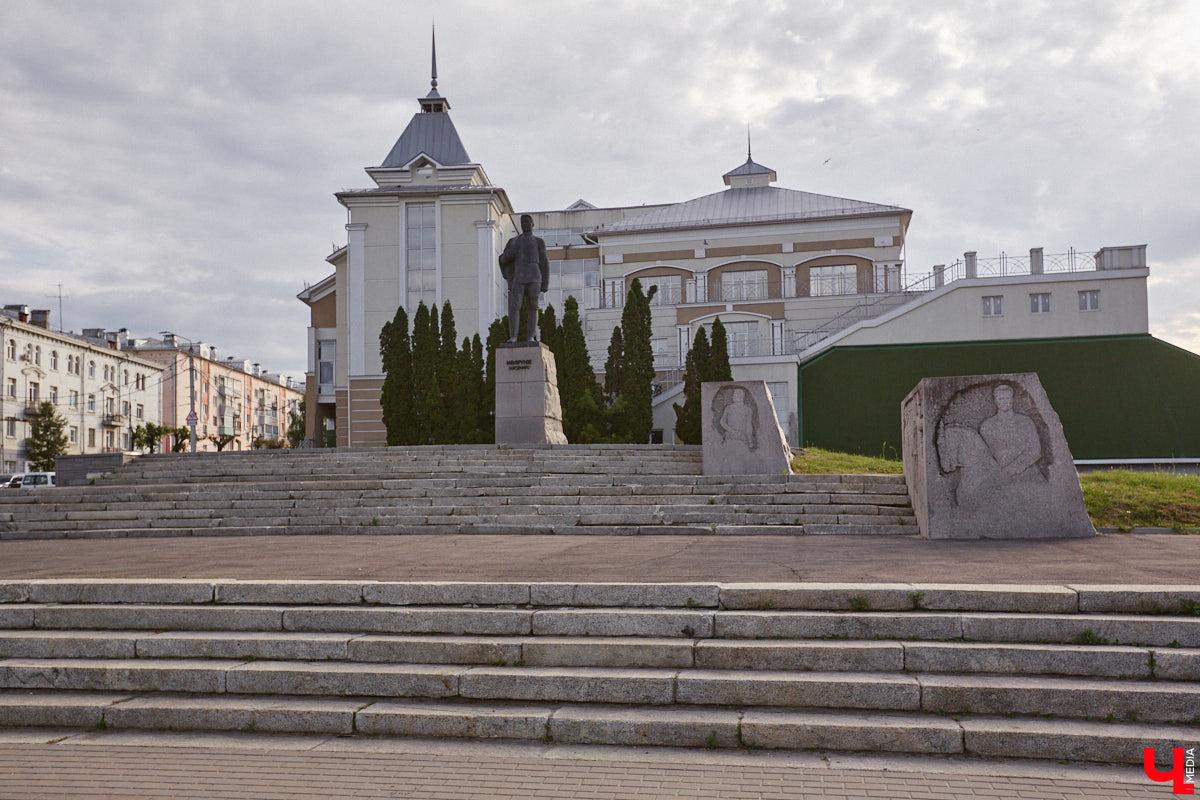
528,410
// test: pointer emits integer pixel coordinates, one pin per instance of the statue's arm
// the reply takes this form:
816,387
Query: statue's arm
506,260
544,264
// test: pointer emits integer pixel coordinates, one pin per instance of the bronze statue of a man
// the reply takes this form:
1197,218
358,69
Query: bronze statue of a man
525,266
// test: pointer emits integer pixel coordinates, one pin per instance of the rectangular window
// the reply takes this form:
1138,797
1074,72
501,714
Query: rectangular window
838,279
10,388
10,427
750,284
141,411
91,402
421,249
1089,300
1039,303
73,434
74,399
91,437
35,392
54,395
108,440
993,305
887,277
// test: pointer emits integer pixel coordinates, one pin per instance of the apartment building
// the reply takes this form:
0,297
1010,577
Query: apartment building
103,391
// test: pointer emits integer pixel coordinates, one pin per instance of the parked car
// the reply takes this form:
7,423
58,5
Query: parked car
15,481
37,480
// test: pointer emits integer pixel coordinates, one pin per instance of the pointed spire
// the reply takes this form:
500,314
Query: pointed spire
748,158
433,102
433,81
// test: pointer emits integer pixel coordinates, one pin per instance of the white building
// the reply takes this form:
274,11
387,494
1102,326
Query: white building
792,275
101,390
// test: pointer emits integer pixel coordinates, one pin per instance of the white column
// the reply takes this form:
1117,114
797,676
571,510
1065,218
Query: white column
437,258
684,334
485,236
402,260
356,302
777,337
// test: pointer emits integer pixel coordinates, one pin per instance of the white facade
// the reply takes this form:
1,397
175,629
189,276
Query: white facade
102,392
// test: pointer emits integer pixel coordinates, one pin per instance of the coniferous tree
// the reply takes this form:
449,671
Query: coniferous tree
582,398
425,345
689,416
548,330
47,437
636,420
396,397
718,355
449,369
497,334
484,429
614,366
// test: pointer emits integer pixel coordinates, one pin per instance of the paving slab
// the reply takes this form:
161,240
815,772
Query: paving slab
1143,559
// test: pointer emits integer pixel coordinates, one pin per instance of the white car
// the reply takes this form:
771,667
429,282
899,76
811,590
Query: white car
15,481
38,480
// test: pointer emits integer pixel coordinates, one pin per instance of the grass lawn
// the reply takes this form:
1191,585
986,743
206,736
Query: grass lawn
1115,498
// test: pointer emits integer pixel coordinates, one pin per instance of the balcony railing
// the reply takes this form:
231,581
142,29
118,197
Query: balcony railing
114,420
739,292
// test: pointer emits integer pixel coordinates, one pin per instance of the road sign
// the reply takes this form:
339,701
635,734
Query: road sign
192,418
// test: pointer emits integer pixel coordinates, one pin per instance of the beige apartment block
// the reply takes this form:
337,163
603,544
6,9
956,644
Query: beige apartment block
234,399
102,390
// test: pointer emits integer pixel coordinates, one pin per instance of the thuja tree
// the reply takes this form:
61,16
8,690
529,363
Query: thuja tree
47,437
689,415
718,355
706,362
396,397
583,408
633,414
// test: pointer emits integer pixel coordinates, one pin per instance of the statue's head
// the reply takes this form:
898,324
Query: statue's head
1003,395
526,223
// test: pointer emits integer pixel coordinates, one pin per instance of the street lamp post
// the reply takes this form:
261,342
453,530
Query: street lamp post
191,418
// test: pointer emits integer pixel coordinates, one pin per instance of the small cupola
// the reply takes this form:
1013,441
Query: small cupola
750,174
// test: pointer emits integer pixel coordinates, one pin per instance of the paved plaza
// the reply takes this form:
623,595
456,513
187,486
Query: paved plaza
1106,559
182,767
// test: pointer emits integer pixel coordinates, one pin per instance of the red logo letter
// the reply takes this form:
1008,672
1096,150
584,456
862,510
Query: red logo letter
1176,773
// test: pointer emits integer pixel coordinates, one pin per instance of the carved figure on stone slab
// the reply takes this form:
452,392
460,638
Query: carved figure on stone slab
987,455
737,421
527,269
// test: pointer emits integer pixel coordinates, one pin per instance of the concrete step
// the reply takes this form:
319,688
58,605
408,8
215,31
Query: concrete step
983,736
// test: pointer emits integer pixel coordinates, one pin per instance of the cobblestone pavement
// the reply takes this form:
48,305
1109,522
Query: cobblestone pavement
353,770
1116,558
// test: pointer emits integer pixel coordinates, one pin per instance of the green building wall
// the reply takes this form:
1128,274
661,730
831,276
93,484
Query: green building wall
1117,397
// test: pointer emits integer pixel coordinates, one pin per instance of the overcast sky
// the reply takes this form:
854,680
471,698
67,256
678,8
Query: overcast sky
172,164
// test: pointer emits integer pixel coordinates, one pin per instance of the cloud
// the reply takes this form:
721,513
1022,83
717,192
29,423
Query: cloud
173,165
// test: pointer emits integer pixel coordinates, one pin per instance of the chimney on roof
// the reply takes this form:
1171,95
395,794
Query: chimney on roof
41,318
22,312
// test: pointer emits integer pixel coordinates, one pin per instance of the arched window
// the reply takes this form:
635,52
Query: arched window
54,359
126,377
37,355
91,369
10,352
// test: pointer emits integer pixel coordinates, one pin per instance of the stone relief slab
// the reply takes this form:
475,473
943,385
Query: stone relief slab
741,434
985,458
528,410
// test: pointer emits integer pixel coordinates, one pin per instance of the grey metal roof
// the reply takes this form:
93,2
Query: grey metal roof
749,168
749,205
431,133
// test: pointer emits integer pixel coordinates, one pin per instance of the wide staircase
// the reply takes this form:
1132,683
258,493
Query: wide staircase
486,489
1044,672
